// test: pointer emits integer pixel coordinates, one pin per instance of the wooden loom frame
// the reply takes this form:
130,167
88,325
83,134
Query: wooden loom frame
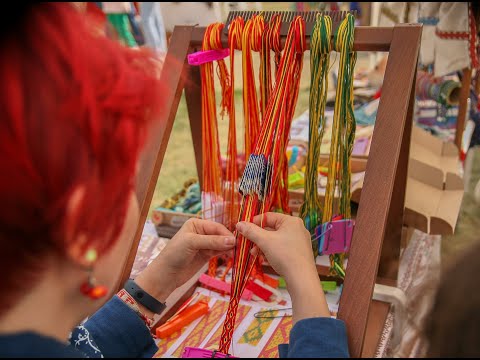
380,214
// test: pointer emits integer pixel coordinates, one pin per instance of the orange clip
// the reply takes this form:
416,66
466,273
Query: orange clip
182,319
268,280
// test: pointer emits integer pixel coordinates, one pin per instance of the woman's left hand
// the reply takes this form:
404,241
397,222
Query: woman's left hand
193,245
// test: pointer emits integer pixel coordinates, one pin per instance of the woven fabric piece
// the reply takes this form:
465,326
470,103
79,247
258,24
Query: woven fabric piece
280,336
256,330
214,341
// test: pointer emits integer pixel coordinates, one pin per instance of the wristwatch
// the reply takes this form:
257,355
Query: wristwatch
144,298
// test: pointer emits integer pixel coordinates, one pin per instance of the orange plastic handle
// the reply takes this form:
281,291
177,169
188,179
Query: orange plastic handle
183,319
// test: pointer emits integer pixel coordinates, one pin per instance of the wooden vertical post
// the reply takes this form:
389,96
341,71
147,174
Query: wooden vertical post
390,257
173,75
377,202
193,96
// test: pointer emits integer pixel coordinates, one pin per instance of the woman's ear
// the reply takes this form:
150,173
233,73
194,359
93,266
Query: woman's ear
74,247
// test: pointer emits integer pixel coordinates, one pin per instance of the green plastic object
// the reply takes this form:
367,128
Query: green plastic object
329,285
295,180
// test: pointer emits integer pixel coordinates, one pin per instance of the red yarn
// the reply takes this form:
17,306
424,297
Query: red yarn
74,112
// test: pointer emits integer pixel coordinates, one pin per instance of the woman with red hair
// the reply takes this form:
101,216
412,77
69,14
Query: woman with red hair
75,109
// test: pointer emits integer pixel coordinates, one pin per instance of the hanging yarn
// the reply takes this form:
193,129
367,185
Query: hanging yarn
271,41
211,160
261,175
212,174
343,134
230,186
445,92
251,40
320,47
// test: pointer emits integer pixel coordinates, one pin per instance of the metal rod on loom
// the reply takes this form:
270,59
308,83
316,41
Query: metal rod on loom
288,16
366,38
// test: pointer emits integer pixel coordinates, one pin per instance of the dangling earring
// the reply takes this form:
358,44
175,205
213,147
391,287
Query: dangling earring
89,288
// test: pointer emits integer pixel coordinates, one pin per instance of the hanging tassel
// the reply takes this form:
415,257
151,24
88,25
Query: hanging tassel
212,202
320,47
251,40
230,186
343,134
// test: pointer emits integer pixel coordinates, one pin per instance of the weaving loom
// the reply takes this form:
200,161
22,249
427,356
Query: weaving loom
380,214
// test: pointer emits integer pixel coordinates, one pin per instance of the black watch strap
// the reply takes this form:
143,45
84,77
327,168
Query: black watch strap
144,298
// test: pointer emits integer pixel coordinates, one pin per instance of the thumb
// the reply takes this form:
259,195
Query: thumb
254,233
212,242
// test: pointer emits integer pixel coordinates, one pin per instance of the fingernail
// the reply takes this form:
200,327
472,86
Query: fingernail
241,226
229,241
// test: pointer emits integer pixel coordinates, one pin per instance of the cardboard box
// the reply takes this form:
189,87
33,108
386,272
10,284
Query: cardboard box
171,218
441,156
432,202
167,223
434,186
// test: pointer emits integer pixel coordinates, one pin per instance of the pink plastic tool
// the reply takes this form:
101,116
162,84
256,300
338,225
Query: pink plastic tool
222,286
190,352
335,236
202,57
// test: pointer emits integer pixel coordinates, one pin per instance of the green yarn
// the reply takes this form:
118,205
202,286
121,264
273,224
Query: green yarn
320,47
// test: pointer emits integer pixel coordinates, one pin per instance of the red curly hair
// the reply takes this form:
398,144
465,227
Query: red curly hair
74,111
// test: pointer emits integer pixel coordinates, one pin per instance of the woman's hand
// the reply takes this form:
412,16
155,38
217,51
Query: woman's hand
288,248
284,241
193,245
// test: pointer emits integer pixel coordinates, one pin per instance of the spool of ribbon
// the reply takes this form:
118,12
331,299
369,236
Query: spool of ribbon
445,92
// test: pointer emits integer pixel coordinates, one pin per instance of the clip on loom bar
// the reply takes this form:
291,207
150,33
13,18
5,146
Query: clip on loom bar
202,57
335,237
198,353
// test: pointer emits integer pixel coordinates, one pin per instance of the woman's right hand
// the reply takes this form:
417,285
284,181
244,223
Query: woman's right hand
284,241
288,248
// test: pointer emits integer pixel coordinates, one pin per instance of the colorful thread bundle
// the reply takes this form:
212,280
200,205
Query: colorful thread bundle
343,134
212,201
320,47
230,185
271,41
261,174
251,40
212,174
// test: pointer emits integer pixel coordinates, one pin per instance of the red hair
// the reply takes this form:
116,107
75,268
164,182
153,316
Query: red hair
74,112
